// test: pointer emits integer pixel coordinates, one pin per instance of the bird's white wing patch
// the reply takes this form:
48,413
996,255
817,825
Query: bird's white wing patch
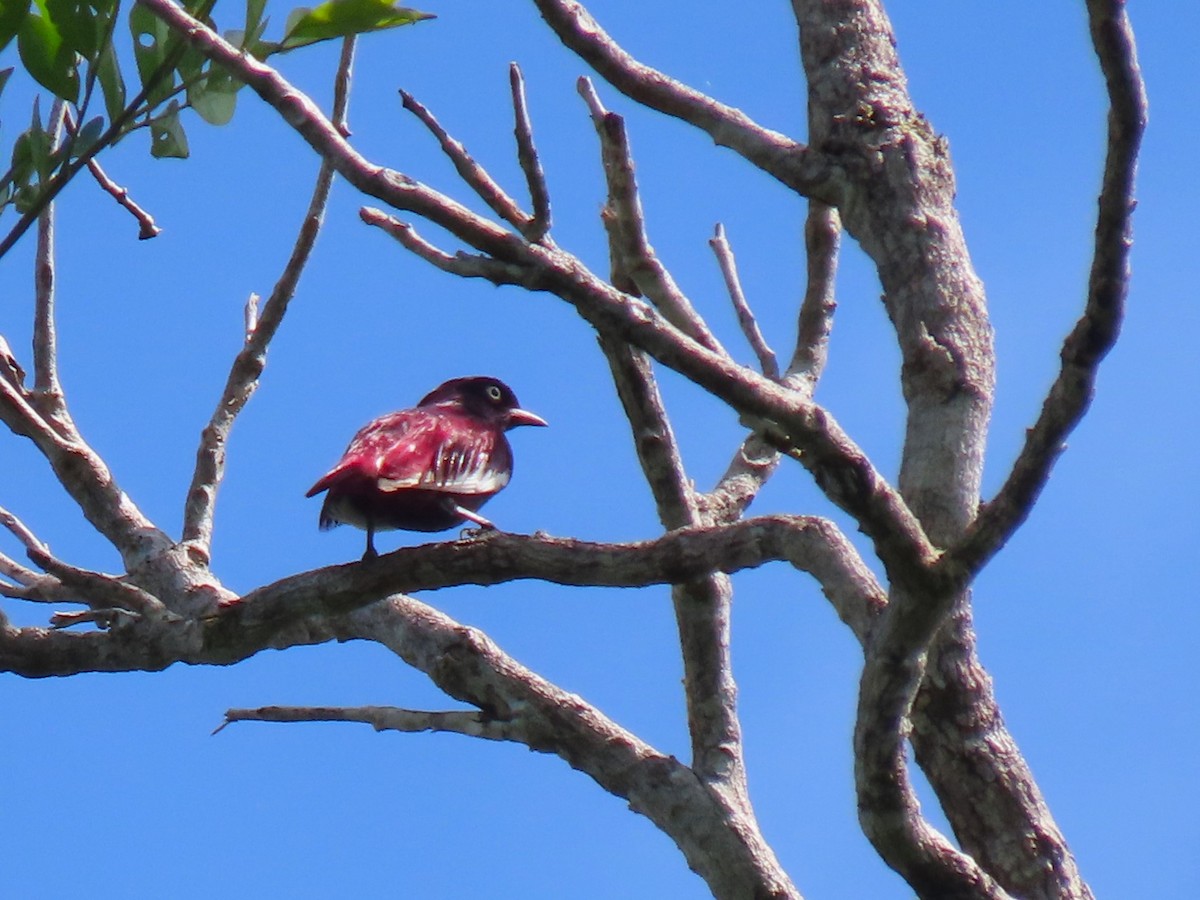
457,469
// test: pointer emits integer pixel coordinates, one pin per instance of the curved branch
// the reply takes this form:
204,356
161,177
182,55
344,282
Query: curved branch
467,665
774,153
1108,284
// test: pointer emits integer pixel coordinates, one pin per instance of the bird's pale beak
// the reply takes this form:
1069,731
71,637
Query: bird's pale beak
524,417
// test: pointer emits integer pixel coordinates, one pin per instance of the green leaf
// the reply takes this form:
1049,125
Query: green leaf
87,137
339,18
111,83
77,24
4,74
215,96
167,140
12,14
151,39
47,57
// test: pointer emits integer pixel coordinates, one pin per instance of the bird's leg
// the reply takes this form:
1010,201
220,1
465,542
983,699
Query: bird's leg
474,517
371,552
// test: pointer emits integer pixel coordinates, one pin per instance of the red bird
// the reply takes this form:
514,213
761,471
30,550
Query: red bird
428,468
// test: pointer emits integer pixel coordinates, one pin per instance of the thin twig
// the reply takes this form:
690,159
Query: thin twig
98,590
10,369
147,227
476,177
341,86
527,156
464,264
381,718
47,395
22,532
251,360
627,227
822,236
749,324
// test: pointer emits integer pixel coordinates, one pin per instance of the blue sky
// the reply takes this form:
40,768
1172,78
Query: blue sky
1087,620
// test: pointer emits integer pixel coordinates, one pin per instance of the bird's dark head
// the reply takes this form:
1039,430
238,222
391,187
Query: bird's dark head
483,397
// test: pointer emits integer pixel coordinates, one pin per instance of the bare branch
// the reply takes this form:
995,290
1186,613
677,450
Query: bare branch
749,325
467,665
701,605
251,360
627,227
22,532
47,395
147,227
839,466
341,87
381,718
822,232
98,590
774,153
10,369
476,177
1108,284
87,479
539,194
462,264
808,543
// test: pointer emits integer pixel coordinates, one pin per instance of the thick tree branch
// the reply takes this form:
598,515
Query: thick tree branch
285,612
465,664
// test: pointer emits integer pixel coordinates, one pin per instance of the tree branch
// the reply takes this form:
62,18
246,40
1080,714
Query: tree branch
381,718
749,325
476,177
251,360
840,467
147,227
1108,285
468,666
527,156
774,153
626,224
822,236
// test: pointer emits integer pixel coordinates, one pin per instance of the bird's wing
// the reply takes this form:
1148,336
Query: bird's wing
448,455
373,444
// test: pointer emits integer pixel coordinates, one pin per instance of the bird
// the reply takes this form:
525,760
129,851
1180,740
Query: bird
427,468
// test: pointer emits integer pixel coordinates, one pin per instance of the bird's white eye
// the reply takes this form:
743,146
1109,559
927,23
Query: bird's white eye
494,393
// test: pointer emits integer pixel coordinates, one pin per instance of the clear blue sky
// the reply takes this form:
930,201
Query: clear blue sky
1088,620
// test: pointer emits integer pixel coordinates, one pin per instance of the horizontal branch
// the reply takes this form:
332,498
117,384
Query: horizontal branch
381,718
287,611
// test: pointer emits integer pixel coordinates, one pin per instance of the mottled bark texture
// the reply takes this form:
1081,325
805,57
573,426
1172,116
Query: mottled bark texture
875,167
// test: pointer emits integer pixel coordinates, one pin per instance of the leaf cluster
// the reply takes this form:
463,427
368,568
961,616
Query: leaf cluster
69,48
